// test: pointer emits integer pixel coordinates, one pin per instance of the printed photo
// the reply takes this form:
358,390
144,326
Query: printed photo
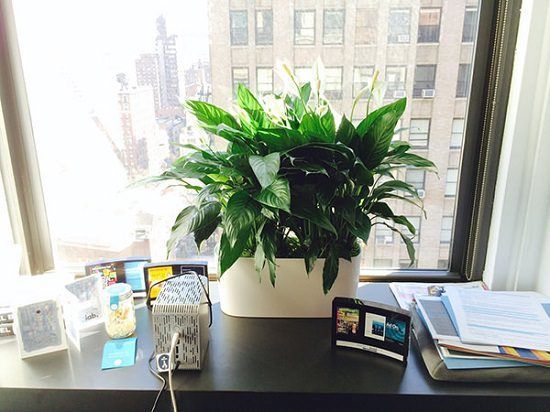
395,331
375,326
347,321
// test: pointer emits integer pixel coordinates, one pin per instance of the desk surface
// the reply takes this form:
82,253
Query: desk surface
250,363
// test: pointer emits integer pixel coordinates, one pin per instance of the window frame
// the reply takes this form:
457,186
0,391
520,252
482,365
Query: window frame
411,141
418,40
494,48
414,95
234,85
231,38
296,13
270,42
340,94
356,89
368,10
390,33
258,69
325,12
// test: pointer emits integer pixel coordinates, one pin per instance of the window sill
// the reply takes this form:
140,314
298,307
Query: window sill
408,275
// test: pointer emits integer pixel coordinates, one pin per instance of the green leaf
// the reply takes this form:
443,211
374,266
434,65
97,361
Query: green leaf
362,227
210,116
346,131
377,140
381,209
408,243
276,195
391,185
240,213
361,174
249,103
330,269
229,253
398,107
305,92
398,148
305,210
318,129
402,220
267,236
411,159
203,233
265,168
281,139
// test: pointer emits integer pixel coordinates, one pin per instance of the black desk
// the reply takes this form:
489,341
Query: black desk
251,364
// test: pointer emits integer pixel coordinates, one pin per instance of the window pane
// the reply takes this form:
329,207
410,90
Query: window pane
395,81
428,25
6,237
333,28
264,27
239,27
333,83
115,94
239,76
456,133
265,80
361,78
424,81
399,26
470,25
446,229
304,27
419,133
365,26
416,178
463,82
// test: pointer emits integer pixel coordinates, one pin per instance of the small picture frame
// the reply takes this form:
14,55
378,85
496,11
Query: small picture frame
39,328
372,327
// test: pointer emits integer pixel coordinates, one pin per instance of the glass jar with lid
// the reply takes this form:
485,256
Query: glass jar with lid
120,315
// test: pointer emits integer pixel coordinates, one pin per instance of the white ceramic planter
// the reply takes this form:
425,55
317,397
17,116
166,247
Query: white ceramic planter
295,295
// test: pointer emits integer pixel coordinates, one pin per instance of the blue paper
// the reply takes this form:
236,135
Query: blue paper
119,353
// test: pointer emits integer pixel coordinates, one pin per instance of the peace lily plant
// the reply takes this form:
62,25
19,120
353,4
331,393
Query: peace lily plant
291,181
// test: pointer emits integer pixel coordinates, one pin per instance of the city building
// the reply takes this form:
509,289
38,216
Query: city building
147,74
422,51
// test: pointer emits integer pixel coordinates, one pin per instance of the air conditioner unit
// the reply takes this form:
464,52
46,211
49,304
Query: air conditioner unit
428,93
421,193
403,38
399,94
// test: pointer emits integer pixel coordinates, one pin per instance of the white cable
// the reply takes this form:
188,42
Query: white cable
171,361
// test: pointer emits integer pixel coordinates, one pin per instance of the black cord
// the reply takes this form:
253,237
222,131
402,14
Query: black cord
189,272
158,376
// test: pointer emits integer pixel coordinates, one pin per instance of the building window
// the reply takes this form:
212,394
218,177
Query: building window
304,27
333,83
419,133
264,80
424,81
443,264
239,75
457,132
463,82
406,264
264,27
395,81
361,78
333,27
365,26
399,26
384,235
239,27
470,25
383,263
415,221
451,183
446,229
303,74
415,178
397,131
428,25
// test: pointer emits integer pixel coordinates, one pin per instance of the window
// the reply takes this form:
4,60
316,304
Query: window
446,229
463,82
399,26
365,26
395,81
361,78
397,131
424,81
304,27
428,25
383,263
451,183
419,133
416,178
415,221
333,83
264,27
303,74
406,264
333,27
264,76
443,264
239,76
384,235
457,132
239,27
470,25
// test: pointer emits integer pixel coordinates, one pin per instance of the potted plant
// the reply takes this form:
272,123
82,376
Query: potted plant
293,193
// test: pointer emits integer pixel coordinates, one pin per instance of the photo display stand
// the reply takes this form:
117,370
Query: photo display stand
372,327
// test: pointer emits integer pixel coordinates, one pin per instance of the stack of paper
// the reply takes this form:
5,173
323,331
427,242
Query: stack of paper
475,328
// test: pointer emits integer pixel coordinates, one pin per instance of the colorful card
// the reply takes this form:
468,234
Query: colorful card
118,353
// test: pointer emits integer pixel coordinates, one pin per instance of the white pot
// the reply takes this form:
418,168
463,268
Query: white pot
295,295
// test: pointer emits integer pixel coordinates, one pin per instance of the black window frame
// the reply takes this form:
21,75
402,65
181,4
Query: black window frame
232,37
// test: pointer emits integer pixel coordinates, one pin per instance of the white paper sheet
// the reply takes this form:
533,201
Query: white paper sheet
504,319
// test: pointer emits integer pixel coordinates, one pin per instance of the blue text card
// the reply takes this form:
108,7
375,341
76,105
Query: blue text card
119,353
